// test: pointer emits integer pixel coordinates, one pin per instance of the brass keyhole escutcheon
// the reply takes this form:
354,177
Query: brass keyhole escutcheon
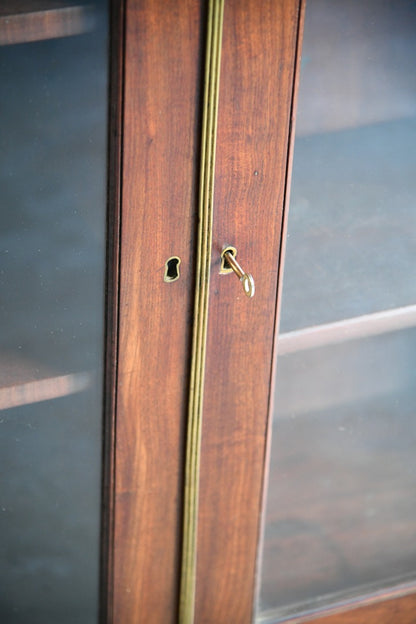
229,264
172,272
225,265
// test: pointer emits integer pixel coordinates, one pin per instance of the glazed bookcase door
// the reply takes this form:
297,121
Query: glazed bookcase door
162,113
54,126
341,505
257,74
159,121
223,428
339,525
336,399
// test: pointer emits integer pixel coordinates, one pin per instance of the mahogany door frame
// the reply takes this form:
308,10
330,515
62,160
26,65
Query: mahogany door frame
259,52
156,97
226,427
154,146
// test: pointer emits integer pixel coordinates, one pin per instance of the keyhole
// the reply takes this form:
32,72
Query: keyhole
225,265
172,269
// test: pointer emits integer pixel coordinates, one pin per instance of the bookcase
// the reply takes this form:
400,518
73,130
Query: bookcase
172,450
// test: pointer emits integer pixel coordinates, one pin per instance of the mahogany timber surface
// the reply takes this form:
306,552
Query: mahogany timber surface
257,75
163,51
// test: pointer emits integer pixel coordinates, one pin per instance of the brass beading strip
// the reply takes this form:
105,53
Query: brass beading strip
196,392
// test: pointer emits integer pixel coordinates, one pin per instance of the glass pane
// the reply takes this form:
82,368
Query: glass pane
341,512
53,130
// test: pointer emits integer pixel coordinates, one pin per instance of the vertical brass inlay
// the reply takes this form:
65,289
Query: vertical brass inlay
196,393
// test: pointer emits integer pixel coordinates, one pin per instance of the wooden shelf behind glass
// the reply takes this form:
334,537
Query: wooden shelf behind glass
23,21
24,382
349,329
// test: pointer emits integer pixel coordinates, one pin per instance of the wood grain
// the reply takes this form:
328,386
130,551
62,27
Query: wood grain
33,20
163,55
258,58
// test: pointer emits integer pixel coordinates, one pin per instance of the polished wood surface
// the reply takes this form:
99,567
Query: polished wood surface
163,53
257,73
33,20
